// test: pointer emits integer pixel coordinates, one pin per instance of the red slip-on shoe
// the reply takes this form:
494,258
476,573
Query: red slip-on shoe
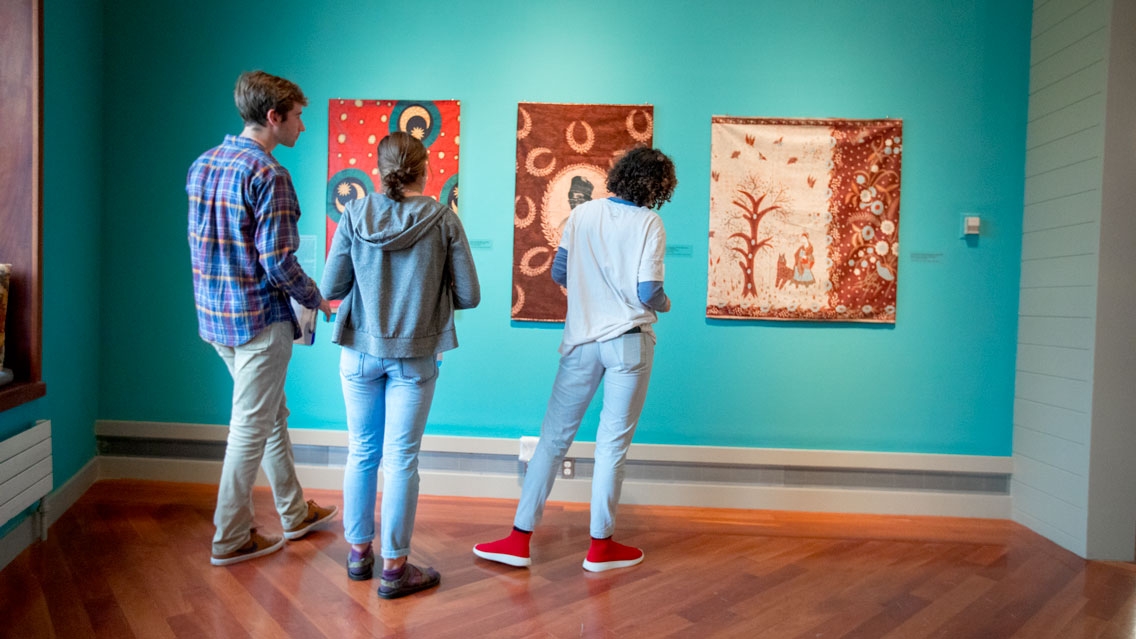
605,554
512,550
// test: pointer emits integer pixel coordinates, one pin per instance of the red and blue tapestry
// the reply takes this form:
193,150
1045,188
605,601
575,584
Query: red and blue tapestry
355,128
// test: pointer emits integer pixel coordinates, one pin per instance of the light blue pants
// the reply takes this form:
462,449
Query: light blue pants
387,401
258,433
624,366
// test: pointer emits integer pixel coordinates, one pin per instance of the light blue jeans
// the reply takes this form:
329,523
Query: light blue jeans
387,401
624,366
258,436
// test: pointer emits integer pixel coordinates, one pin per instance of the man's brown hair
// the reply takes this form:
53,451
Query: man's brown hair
258,92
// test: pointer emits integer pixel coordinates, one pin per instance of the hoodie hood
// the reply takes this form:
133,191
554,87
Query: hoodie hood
393,226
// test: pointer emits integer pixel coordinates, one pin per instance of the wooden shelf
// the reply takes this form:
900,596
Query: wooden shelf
17,393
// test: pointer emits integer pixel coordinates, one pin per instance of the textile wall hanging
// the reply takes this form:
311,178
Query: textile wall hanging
355,128
564,152
804,219
5,279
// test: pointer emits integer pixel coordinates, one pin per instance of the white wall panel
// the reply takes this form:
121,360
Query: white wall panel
1081,84
1054,420
1071,149
1071,332
1075,178
1081,114
1063,211
1074,542
1061,515
1072,20
1059,271
1077,239
1064,456
1060,264
1055,361
1076,56
1054,391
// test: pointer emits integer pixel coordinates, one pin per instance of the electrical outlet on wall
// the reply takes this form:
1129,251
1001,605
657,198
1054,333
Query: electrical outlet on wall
568,469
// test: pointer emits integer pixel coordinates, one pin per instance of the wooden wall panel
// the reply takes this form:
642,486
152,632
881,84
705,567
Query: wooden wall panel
21,88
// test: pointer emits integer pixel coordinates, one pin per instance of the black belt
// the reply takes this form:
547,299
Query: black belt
634,331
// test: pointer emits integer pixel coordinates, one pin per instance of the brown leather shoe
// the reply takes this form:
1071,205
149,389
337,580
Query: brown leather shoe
318,516
258,545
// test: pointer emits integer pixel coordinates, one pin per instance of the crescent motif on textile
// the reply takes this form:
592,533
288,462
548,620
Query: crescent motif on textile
530,162
526,128
526,261
524,222
520,300
644,135
589,137
417,121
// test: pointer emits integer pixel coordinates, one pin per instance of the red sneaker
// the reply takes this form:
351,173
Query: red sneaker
605,554
512,550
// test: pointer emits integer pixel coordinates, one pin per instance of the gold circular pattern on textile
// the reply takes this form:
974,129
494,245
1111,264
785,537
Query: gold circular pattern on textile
524,222
526,128
526,265
530,162
520,300
420,128
643,136
589,137
573,185
348,191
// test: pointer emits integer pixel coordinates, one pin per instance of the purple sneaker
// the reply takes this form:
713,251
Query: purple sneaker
409,580
360,565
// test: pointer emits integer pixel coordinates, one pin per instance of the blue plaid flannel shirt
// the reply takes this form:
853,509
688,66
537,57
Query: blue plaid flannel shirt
242,243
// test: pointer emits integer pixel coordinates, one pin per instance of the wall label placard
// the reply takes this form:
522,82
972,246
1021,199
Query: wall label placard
928,258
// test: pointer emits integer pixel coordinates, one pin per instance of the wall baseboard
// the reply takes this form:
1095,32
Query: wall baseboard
819,481
781,457
52,508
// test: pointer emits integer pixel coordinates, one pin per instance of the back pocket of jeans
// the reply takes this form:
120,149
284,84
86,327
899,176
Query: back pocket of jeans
418,369
351,363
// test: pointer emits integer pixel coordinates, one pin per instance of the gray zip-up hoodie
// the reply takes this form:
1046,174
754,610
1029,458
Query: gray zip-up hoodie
401,268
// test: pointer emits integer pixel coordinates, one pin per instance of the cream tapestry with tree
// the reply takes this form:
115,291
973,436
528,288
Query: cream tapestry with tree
804,219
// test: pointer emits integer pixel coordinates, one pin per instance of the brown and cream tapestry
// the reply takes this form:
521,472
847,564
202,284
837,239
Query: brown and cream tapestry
804,219
564,152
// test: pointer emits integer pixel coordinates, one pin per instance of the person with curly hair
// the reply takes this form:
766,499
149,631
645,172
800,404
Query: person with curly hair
610,259
401,263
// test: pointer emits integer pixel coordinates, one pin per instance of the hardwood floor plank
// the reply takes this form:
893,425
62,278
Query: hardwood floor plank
1057,613
251,575
1009,603
131,559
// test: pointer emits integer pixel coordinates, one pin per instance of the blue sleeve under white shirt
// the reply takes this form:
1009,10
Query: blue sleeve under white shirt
611,254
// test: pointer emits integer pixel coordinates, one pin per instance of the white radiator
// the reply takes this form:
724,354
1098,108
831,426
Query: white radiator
25,471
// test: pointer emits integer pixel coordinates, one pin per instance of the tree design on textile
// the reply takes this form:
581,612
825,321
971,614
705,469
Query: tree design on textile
751,216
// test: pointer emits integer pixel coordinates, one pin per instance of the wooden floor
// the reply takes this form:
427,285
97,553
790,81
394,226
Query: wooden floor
131,559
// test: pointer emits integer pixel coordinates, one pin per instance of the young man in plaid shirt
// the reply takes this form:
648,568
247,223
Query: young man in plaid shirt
242,240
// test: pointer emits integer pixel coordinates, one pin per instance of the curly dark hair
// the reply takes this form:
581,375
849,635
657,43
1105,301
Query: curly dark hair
644,177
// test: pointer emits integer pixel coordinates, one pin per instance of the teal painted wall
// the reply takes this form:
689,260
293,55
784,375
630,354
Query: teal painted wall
72,228
940,381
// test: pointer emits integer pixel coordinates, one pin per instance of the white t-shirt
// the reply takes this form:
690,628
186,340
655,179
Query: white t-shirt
611,247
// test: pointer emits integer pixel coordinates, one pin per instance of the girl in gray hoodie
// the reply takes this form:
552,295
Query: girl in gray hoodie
401,264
